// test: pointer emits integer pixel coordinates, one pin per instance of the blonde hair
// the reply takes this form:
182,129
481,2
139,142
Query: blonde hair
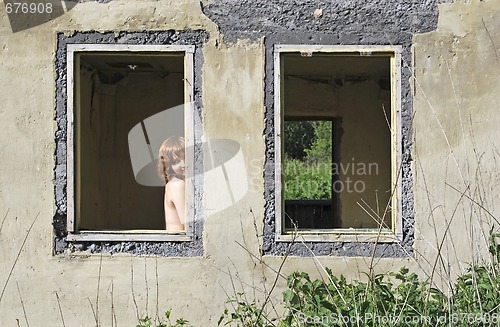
171,150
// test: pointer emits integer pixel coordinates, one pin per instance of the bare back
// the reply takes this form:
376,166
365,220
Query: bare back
174,205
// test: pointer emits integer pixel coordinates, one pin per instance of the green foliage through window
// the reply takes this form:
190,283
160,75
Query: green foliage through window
307,164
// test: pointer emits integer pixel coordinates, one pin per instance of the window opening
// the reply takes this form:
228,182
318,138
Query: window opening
124,102
337,114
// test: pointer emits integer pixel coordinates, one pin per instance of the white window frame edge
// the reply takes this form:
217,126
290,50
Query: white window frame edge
343,235
128,235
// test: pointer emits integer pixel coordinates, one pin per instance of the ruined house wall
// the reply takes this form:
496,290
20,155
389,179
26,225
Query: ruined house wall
341,23
456,136
54,281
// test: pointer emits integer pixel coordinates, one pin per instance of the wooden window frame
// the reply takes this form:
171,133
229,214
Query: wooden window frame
395,233
72,148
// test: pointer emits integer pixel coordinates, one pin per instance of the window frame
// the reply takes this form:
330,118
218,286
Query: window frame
395,233
72,60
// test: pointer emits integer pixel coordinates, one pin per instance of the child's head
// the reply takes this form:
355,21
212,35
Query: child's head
171,158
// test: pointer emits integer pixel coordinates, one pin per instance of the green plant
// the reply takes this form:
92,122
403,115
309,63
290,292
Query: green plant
394,299
299,135
308,160
180,322
476,297
321,147
377,302
243,314
307,181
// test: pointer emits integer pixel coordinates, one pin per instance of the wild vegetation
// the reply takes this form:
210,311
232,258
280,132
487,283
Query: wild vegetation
396,299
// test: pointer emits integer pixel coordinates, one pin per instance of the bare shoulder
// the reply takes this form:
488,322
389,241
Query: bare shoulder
175,184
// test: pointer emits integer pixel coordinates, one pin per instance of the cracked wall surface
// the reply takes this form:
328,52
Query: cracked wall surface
456,139
341,23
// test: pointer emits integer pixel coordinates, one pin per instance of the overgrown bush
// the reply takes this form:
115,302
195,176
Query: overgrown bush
396,299
243,313
307,181
307,166
476,296
377,302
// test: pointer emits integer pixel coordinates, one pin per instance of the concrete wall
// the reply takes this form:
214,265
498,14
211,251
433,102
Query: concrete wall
454,96
366,155
456,135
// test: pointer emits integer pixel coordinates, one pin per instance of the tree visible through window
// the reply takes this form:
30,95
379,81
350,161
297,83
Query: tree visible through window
307,172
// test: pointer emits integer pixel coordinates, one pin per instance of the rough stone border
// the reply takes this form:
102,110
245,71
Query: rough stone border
349,22
177,249
397,249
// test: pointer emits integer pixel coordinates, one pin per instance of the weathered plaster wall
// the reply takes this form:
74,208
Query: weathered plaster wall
457,139
28,268
236,90
285,22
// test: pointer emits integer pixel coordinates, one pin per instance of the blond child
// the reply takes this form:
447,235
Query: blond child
171,167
